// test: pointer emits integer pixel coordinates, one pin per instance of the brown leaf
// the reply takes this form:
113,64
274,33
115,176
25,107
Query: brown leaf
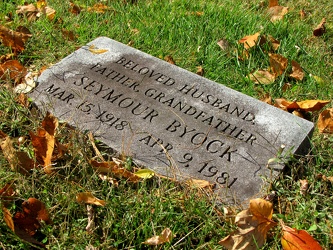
13,39
278,64
307,105
273,3
164,237
320,29
200,71
297,72
277,13
8,218
266,98
93,50
37,209
13,70
293,239
75,9
262,77
29,11
223,43
325,121
89,198
114,168
253,225
249,41
304,186
169,59
99,8
7,194
69,34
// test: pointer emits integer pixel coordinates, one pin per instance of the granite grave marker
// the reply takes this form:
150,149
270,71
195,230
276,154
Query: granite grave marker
171,120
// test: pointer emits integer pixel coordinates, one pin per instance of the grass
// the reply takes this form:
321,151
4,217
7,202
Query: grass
187,31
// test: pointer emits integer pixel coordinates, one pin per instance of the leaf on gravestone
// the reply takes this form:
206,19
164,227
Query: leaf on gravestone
199,183
99,8
89,198
249,41
262,77
325,121
13,70
320,29
164,237
44,142
145,173
253,225
115,169
93,50
15,40
293,239
297,71
277,13
278,64
29,11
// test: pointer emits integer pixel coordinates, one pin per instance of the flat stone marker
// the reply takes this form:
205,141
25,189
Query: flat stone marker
170,120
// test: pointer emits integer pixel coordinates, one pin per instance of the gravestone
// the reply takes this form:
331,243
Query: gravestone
170,120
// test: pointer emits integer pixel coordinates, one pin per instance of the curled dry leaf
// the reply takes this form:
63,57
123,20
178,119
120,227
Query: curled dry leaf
93,50
325,121
278,64
307,105
262,77
253,225
164,237
169,59
27,85
145,173
15,40
199,183
250,41
304,187
224,44
200,71
277,13
29,11
89,198
293,239
297,71
320,29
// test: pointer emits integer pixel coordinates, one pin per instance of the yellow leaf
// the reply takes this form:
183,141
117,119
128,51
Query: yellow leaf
96,51
198,183
165,236
145,173
87,197
262,77
250,41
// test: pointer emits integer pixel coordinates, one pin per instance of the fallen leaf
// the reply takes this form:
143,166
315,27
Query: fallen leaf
145,173
278,64
277,13
253,225
200,71
89,198
273,3
320,29
96,51
41,4
75,9
249,41
169,59
266,98
8,218
223,43
302,14
275,44
262,77
297,72
164,237
293,239
15,40
29,11
7,194
325,121
37,209
199,183
304,186
99,8
27,85
13,70
49,12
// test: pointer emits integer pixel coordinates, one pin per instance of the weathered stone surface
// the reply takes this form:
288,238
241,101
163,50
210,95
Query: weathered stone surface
169,119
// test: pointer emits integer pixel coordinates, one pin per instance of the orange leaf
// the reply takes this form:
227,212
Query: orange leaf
50,123
8,218
87,197
293,239
307,105
98,8
320,29
14,70
75,9
250,41
13,39
325,121
273,3
278,63
36,209
297,71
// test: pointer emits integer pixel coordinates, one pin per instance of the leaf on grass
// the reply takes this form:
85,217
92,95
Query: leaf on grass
96,51
8,218
325,121
7,194
250,41
75,9
145,173
69,34
29,11
278,64
253,225
277,13
200,71
307,105
274,44
293,239
320,29
297,71
13,70
273,3
27,85
224,44
169,59
304,187
262,77
115,169
44,142
266,98
99,8
89,198
15,40
164,237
